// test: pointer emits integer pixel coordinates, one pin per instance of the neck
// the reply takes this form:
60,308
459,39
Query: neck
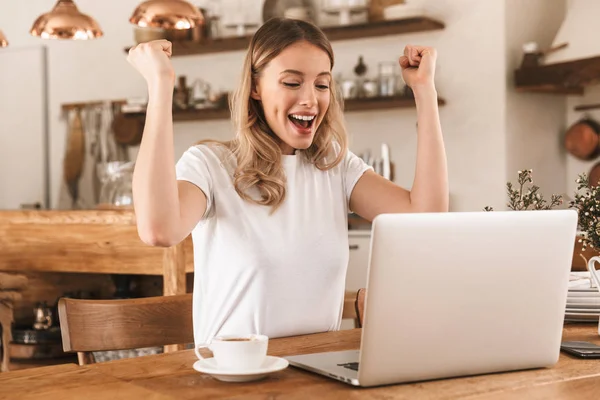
287,150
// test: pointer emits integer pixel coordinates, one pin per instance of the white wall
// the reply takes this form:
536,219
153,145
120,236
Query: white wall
471,75
534,122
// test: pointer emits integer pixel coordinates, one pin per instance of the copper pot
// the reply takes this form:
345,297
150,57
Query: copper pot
582,139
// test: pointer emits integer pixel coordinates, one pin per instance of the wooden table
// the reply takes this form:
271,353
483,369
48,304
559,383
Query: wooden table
171,376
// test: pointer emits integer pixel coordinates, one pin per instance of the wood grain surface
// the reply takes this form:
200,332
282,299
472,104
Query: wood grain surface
90,241
173,374
68,381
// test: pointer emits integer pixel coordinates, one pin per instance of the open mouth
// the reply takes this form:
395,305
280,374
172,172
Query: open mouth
302,122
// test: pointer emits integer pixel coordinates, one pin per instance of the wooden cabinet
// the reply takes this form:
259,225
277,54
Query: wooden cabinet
356,277
359,242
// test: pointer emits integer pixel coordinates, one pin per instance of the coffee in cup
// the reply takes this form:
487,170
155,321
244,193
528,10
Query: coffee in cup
237,352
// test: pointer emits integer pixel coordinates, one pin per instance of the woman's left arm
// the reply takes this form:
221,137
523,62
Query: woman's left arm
373,194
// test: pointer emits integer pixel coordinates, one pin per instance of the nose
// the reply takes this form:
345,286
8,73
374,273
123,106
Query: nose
308,96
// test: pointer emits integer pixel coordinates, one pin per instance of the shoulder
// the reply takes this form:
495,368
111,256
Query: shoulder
334,152
344,154
213,154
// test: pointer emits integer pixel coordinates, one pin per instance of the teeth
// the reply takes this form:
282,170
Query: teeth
303,117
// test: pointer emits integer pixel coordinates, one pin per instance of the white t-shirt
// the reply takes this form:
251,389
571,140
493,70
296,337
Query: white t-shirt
277,274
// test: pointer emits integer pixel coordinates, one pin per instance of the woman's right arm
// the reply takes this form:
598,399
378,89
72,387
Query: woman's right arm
166,209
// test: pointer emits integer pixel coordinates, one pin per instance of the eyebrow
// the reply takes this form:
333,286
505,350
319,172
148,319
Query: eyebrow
296,72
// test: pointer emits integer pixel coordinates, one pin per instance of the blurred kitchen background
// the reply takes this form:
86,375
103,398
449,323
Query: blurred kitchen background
70,107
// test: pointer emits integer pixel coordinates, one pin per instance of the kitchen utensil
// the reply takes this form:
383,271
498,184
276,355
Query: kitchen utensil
376,8
178,35
143,35
386,163
349,89
128,130
116,184
271,364
74,157
360,68
345,9
582,139
369,88
27,335
37,351
387,79
594,176
43,316
278,8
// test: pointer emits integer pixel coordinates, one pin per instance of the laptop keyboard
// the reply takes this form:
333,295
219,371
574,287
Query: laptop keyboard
351,365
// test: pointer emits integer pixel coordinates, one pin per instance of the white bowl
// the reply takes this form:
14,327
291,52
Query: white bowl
402,11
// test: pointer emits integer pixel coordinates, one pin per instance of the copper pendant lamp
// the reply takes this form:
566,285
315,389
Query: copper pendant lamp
3,41
166,14
65,21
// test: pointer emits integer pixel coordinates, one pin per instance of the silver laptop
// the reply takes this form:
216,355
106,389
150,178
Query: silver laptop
456,294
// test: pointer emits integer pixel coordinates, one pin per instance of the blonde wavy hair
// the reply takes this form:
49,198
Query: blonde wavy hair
255,146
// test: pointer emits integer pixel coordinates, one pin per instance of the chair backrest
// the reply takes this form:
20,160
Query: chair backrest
354,306
98,325
361,295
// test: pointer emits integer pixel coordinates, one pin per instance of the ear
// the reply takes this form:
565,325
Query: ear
254,92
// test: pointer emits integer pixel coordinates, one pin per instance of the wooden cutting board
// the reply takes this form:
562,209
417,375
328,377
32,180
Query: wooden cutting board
75,152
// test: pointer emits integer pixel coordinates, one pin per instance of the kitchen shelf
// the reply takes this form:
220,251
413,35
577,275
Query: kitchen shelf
346,32
569,77
351,105
383,103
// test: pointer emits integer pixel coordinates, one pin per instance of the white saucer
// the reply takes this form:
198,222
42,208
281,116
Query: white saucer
271,364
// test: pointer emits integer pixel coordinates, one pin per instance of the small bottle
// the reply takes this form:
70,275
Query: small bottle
181,95
531,55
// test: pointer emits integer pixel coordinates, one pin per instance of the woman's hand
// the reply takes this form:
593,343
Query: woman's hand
153,60
418,66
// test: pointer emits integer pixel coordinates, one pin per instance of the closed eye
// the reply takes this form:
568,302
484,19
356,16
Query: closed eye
323,87
292,85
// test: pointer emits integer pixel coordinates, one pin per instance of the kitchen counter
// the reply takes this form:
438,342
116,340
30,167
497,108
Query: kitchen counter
359,233
88,241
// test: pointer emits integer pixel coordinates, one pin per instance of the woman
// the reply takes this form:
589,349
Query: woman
268,210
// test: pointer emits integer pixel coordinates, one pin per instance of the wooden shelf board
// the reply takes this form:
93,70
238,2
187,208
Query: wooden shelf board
568,77
587,107
367,104
202,114
382,103
358,31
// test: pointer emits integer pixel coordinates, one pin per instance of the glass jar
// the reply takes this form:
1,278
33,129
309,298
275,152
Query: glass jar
387,79
116,179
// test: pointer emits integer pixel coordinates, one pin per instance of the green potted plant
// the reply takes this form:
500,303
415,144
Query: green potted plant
526,196
587,204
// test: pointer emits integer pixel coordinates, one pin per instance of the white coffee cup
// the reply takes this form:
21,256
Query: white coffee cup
595,276
237,352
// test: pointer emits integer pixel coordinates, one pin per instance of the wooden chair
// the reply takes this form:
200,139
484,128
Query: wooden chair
100,325
361,295
352,309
